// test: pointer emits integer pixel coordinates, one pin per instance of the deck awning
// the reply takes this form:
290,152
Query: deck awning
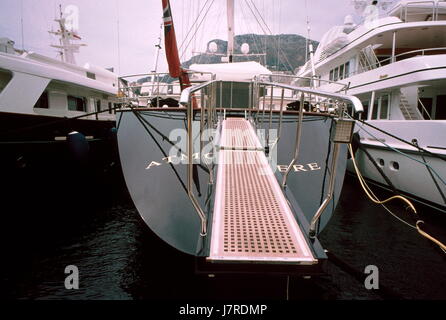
236,71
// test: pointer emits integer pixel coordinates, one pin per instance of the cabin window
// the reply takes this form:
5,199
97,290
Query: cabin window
347,70
110,107
91,75
77,103
375,110
384,107
331,75
42,103
341,72
336,74
440,113
98,105
365,105
5,77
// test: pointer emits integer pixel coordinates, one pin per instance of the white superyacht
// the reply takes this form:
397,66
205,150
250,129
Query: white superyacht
394,61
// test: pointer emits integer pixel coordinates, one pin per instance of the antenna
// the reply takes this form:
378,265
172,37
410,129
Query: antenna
310,47
68,49
308,33
158,48
119,47
21,25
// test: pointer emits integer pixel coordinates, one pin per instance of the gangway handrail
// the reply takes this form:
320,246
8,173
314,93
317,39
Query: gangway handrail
343,99
357,105
186,100
295,77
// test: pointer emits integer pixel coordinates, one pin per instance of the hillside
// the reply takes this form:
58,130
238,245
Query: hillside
292,52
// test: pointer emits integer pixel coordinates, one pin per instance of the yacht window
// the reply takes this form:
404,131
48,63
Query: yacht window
365,105
91,75
331,75
347,70
336,74
110,107
98,105
43,101
384,108
440,113
77,103
341,72
375,110
5,77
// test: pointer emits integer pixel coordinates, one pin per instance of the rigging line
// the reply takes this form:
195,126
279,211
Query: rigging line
191,27
245,18
201,40
168,140
196,31
404,154
61,120
269,32
372,195
198,27
402,140
161,149
216,29
433,178
258,22
375,199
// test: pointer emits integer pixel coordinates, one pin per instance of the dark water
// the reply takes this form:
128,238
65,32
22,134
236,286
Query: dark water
119,258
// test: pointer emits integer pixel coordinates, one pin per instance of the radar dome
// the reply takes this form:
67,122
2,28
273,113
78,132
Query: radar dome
213,47
245,48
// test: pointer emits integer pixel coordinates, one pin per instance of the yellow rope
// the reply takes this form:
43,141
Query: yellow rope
375,199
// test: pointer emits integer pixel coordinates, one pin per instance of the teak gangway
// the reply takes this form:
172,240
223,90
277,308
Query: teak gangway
252,220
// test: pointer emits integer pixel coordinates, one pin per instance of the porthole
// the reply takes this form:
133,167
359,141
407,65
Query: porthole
394,165
381,162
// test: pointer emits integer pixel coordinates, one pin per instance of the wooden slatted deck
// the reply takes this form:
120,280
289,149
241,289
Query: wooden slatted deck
252,221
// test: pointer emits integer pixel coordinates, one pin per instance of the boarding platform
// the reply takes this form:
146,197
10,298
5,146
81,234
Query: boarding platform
252,220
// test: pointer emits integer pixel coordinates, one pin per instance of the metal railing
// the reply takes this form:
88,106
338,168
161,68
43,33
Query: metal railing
306,92
293,78
159,85
207,108
393,59
339,102
431,7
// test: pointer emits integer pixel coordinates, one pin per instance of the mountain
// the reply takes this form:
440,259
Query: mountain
284,52
291,48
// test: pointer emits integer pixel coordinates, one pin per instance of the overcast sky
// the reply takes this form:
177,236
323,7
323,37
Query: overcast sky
138,24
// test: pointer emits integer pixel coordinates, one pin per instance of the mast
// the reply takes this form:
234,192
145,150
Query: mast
230,13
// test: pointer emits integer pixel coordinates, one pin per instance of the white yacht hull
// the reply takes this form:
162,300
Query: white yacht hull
403,164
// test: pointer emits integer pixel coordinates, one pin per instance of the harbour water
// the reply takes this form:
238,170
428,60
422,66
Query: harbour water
119,258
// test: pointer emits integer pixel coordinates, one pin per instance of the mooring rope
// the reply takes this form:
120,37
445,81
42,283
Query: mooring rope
375,199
